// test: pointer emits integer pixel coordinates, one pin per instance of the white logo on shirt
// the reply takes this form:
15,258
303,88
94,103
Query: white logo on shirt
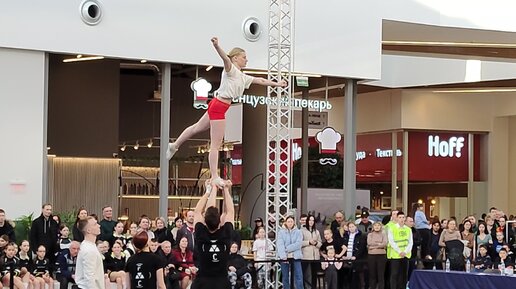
139,275
214,248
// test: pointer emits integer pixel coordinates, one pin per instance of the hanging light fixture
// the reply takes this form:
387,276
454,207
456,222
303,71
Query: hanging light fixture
136,146
149,145
123,147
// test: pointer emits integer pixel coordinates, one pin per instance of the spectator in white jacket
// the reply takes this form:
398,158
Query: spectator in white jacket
310,248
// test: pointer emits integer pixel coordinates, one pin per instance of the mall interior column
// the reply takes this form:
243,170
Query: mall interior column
163,143
350,143
394,167
304,154
22,120
405,179
471,169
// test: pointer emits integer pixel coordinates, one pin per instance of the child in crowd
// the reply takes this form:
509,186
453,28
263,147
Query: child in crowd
238,269
508,264
102,247
330,266
42,267
331,243
4,240
115,264
483,260
118,234
64,241
261,248
26,264
129,248
153,246
499,242
10,262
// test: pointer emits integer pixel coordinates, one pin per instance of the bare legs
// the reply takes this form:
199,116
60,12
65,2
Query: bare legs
217,128
201,125
119,278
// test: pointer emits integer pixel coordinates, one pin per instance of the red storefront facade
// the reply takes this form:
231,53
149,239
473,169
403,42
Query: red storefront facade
438,164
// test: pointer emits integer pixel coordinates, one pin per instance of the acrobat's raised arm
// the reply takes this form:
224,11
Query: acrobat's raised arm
222,54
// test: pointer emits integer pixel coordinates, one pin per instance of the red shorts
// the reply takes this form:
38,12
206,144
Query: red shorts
217,109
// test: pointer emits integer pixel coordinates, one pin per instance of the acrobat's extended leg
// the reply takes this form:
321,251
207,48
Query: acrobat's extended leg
201,125
217,128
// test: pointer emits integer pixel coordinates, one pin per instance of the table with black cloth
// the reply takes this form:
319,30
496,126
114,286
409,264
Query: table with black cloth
437,279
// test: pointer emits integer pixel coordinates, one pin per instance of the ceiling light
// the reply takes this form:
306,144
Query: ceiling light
420,201
143,61
446,43
209,68
381,192
476,90
433,202
136,146
79,55
149,145
260,72
123,147
83,59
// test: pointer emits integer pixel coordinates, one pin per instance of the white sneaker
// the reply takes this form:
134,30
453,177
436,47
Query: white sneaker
208,189
219,182
171,150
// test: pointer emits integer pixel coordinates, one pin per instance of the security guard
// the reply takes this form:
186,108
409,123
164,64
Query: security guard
399,251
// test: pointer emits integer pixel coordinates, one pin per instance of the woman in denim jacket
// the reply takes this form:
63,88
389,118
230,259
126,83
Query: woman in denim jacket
289,244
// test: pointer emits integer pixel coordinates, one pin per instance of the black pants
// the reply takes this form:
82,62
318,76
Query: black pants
221,282
377,270
63,281
425,240
310,274
412,265
399,270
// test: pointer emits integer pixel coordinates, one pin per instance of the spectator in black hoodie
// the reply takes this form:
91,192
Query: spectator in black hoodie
416,242
483,260
44,232
238,269
6,228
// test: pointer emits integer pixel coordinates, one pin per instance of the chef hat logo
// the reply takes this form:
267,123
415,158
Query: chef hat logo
201,88
328,139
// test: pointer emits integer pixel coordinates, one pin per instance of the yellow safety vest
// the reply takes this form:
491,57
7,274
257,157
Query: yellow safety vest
387,228
401,238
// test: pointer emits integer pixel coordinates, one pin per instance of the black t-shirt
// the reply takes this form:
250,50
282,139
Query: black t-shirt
336,245
212,249
142,267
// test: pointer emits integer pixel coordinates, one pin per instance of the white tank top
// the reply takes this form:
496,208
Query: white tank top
233,83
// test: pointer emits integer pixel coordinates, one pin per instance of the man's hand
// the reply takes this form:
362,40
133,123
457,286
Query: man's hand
228,184
232,269
282,83
403,254
215,41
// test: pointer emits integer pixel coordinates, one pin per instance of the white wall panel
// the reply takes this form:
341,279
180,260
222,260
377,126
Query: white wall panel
334,38
341,38
480,14
167,30
408,71
21,131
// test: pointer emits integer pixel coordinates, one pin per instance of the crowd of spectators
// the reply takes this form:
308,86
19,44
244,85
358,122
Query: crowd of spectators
352,254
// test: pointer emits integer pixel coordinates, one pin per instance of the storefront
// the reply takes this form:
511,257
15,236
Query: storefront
440,169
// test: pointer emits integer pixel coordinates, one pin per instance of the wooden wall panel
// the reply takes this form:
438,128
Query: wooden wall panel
92,183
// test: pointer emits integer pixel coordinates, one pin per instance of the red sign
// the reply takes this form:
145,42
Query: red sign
440,156
433,157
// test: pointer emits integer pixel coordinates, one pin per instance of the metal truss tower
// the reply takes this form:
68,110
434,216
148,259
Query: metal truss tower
278,207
